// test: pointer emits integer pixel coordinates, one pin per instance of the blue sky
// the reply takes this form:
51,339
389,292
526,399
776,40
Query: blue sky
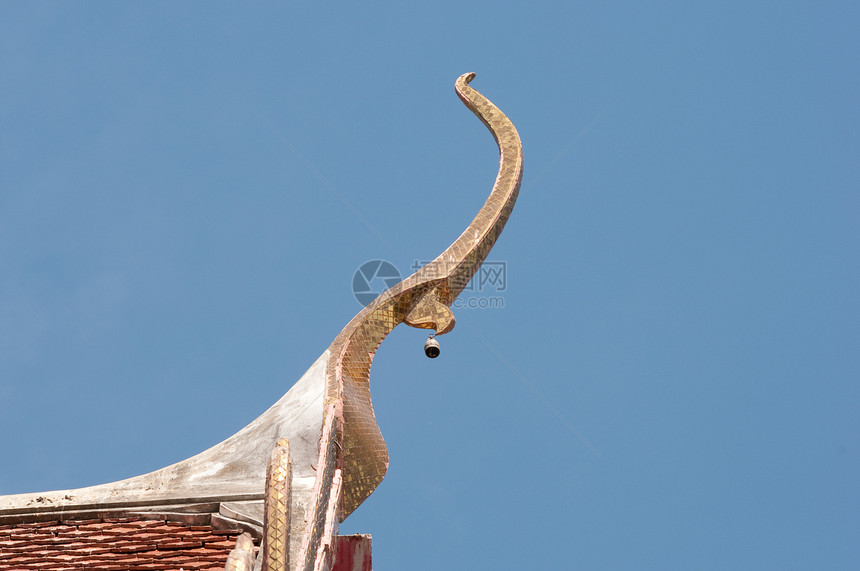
682,264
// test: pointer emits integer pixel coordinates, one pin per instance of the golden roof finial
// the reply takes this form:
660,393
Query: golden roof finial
421,300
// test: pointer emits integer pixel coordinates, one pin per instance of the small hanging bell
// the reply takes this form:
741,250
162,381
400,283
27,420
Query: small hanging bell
431,347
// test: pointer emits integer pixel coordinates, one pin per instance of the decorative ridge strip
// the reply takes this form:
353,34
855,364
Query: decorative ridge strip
276,518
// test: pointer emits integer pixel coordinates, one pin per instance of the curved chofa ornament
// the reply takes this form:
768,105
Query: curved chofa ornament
304,465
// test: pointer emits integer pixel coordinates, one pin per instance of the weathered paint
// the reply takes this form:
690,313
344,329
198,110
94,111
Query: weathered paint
353,553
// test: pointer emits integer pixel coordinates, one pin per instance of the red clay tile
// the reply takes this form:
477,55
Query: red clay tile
113,544
37,524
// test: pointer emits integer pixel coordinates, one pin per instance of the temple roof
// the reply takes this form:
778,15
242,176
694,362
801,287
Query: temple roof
293,474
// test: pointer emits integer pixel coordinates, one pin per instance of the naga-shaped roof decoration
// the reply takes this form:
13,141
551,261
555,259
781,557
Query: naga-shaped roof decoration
421,300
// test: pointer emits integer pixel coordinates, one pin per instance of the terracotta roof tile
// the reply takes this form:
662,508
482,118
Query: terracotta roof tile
114,544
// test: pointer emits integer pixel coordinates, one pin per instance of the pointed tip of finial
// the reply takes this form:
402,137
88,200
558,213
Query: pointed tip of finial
466,77
461,86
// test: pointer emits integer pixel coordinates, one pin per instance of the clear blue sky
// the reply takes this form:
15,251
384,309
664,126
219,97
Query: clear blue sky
682,264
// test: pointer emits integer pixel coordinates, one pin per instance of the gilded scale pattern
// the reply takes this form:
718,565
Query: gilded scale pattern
421,300
276,515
